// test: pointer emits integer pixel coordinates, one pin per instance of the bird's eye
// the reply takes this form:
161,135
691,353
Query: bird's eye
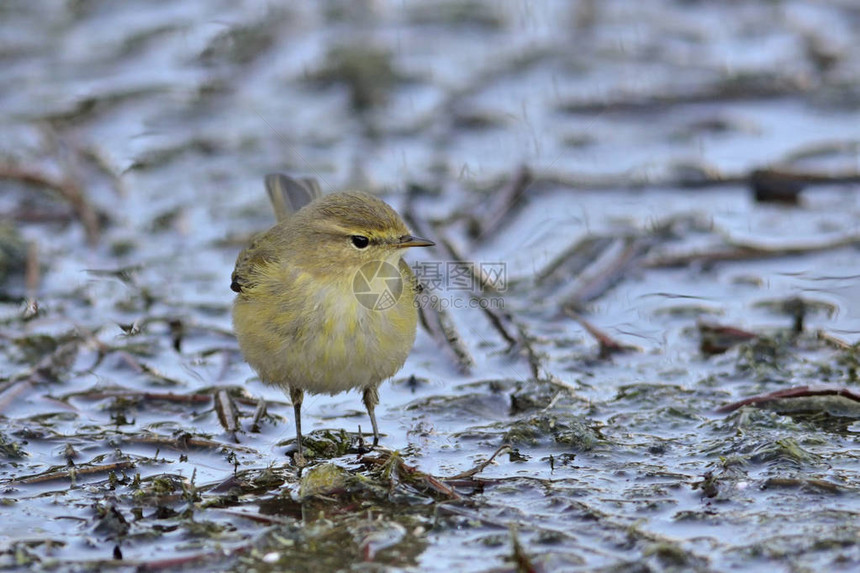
360,241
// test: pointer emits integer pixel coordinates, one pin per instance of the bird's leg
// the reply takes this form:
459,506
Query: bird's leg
296,396
371,399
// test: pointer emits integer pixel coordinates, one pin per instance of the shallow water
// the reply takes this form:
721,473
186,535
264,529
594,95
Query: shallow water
640,125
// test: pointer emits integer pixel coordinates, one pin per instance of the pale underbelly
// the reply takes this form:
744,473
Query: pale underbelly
339,350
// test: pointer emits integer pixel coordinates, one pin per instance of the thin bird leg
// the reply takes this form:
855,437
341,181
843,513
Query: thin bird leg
296,396
371,399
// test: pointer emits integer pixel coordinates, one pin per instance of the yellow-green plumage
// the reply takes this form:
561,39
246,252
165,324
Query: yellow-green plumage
298,322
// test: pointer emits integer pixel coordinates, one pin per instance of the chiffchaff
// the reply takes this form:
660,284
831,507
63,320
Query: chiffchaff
325,301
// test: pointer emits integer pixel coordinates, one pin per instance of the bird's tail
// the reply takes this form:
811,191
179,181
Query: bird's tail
288,195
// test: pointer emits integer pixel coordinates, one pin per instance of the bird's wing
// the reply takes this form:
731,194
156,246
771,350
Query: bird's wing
250,257
288,195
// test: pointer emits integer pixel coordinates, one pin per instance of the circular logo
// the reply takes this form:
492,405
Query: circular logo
377,285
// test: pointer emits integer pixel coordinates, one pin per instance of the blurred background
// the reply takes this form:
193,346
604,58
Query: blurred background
669,188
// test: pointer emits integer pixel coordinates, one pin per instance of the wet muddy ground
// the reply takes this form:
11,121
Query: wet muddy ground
642,354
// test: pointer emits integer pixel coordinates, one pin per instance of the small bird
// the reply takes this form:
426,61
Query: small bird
325,302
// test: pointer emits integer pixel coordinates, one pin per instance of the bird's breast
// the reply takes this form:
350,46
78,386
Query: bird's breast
327,338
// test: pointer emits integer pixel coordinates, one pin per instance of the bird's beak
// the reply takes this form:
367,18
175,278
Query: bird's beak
410,241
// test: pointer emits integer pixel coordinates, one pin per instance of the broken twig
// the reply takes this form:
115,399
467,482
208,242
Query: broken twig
796,392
